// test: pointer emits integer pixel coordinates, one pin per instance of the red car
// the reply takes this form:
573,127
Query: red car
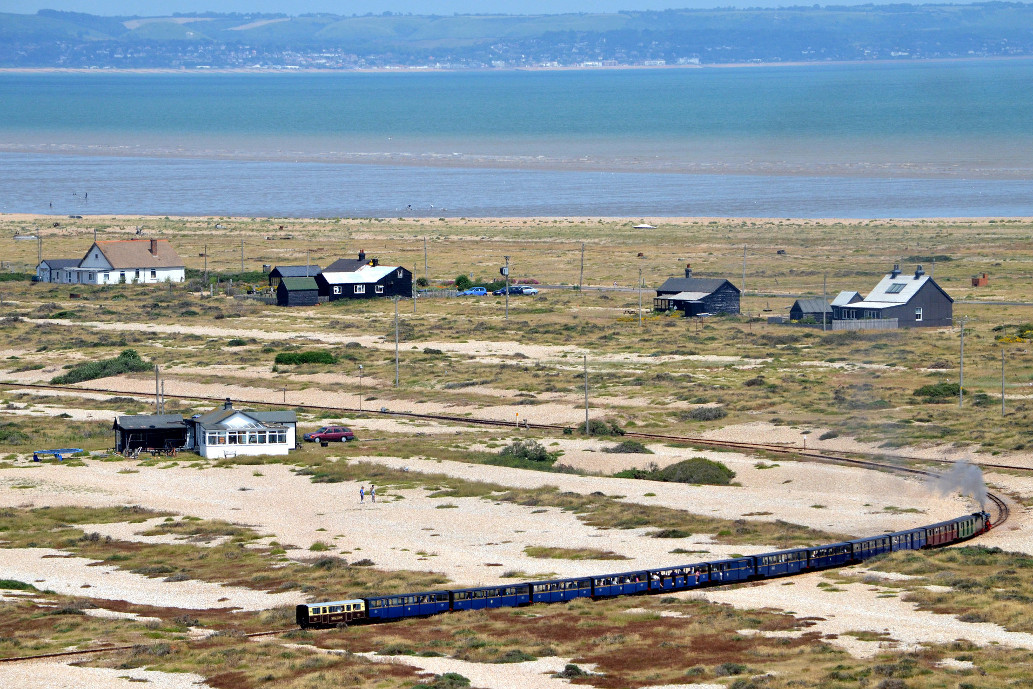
330,434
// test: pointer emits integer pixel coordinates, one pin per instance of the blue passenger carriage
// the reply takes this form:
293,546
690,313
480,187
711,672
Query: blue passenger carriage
407,605
623,584
726,571
912,539
491,597
832,555
781,562
865,548
560,590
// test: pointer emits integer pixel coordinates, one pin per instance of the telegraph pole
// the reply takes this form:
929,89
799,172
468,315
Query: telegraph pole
506,274
744,270
581,278
425,259
242,254
640,297
360,388
396,342
1002,381
961,366
588,427
824,301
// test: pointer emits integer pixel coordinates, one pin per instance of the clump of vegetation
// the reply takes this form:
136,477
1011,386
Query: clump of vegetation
629,447
11,435
315,356
599,427
707,413
126,362
449,680
938,392
697,471
236,342
525,454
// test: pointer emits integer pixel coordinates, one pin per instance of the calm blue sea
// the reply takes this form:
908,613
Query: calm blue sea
872,140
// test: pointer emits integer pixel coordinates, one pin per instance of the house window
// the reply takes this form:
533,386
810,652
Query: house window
91,277
918,314
360,289
380,289
399,272
154,274
137,275
122,277
337,289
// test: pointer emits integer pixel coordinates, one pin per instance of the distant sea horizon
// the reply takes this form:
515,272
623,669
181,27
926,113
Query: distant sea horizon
939,139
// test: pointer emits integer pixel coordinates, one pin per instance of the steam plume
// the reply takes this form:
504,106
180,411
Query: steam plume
963,478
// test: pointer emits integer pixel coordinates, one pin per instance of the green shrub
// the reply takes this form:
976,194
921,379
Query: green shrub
15,585
126,362
629,447
938,392
698,470
449,680
598,427
236,342
708,413
315,356
463,282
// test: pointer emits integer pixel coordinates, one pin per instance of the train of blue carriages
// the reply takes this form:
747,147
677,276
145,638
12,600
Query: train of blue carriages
661,580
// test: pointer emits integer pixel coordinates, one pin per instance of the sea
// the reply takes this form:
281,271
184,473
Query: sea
860,140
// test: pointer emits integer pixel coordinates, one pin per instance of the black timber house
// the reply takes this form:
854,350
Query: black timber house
280,272
367,280
807,309
695,296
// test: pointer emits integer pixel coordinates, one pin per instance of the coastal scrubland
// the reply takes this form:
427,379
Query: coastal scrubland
455,509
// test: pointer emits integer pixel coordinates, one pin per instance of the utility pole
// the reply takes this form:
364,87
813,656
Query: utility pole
640,297
506,274
588,427
425,274
414,290
360,388
961,366
824,301
1002,381
242,254
205,264
581,278
396,342
307,265
744,270
157,390
39,247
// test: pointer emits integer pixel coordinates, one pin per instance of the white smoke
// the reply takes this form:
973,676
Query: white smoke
963,478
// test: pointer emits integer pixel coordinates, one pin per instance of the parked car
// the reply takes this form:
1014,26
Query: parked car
473,292
530,291
330,434
513,289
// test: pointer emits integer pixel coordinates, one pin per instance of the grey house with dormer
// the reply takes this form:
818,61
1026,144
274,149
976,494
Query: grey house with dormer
914,300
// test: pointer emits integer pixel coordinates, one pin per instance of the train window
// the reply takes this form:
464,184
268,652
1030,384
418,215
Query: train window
395,601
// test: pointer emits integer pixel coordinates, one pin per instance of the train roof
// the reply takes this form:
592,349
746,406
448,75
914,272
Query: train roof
406,594
335,602
497,586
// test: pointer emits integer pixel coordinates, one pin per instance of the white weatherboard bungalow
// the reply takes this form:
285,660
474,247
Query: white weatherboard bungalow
112,262
229,432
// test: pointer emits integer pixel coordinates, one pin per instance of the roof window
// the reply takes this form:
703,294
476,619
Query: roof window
896,288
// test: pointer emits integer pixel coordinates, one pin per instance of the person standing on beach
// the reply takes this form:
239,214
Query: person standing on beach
362,493
373,492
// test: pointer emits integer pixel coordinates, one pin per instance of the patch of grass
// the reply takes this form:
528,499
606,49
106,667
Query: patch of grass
629,447
550,553
126,362
315,356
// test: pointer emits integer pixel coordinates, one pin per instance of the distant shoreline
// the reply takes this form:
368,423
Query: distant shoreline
409,69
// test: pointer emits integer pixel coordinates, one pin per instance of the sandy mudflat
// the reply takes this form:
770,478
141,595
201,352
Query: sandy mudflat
858,607
62,676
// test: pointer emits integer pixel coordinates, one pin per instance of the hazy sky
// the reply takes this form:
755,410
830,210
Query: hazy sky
294,7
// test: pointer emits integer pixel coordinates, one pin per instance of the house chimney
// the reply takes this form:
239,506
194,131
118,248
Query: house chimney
154,247
688,270
376,262
362,254
919,272
228,404
896,270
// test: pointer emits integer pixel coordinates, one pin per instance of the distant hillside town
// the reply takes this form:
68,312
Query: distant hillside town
256,41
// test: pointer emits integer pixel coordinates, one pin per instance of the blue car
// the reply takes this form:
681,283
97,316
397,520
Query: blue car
473,292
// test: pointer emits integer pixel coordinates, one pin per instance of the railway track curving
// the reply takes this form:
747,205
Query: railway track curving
999,504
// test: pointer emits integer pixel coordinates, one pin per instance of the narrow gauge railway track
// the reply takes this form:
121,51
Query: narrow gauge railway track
109,649
999,503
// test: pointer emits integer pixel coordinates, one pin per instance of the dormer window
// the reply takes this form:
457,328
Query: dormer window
896,288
